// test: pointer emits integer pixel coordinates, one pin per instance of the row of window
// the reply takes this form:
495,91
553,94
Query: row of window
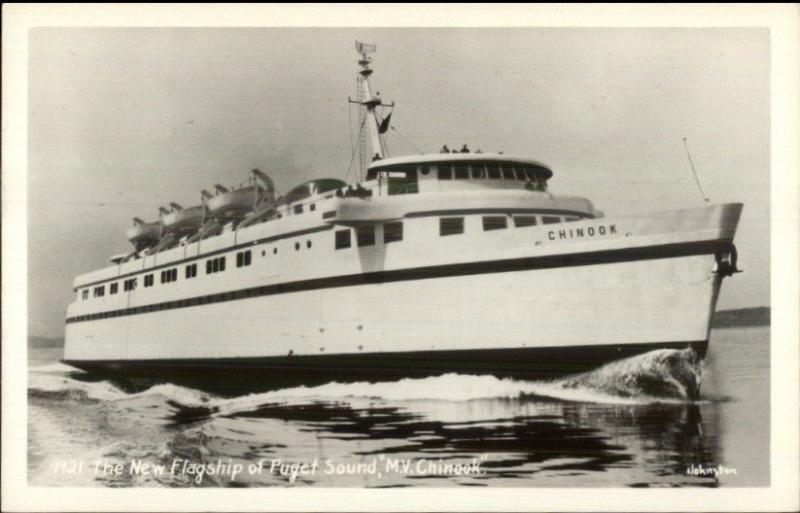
455,225
365,235
215,265
112,289
490,171
243,258
169,275
298,209
191,271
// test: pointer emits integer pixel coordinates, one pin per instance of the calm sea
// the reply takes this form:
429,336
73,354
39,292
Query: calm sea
626,424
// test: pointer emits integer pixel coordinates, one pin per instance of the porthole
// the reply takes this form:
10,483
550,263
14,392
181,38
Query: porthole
275,251
308,244
297,246
263,252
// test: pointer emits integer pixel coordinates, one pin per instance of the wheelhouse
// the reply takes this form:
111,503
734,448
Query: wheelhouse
431,173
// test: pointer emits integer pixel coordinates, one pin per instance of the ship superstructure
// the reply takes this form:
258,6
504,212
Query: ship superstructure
453,260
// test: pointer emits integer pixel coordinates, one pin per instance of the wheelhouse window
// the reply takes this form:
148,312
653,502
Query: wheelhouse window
523,221
530,174
85,294
550,219
392,232
536,183
570,219
100,291
460,172
451,226
400,180
113,288
191,271
508,173
365,236
244,258
494,223
343,239
298,209
493,171
478,171
148,280
445,172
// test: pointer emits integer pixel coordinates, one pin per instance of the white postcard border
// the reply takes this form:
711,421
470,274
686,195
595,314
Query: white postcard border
782,20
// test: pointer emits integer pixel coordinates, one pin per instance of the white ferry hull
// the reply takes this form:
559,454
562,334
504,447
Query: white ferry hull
546,315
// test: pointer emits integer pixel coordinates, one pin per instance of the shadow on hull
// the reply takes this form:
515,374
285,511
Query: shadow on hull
238,376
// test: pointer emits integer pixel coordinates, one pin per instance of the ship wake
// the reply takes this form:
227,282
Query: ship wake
664,375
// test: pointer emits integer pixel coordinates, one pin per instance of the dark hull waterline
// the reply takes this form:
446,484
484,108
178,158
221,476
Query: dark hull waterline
231,376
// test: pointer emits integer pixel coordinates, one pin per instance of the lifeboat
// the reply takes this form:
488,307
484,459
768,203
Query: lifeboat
235,203
144,235
184,221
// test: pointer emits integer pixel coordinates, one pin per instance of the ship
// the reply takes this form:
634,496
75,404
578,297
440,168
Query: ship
457,260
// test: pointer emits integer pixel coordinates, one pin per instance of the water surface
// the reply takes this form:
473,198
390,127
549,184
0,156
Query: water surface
633,423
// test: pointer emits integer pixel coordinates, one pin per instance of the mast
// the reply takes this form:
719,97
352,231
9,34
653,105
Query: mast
369,102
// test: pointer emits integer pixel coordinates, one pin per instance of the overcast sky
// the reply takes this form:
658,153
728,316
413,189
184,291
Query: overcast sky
122,121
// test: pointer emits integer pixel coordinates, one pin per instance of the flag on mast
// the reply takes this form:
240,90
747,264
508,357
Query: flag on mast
384,124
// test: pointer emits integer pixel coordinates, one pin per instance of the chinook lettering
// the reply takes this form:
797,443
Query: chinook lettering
581,233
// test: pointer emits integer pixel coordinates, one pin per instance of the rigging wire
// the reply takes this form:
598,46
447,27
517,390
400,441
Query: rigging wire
706,199
407,140
385,144
353,156
350,123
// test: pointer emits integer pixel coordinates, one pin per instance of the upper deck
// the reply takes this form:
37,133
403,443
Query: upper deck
447,172
431,192
454,159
